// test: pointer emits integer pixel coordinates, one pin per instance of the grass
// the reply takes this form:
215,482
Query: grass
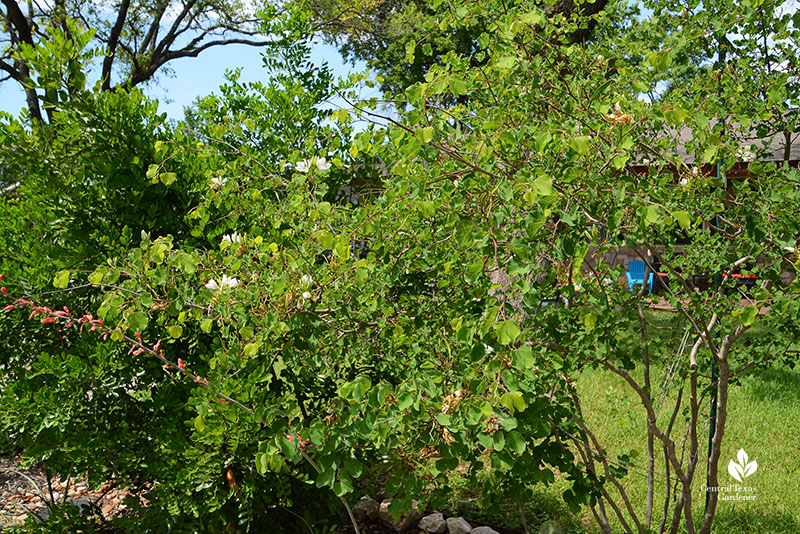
763,418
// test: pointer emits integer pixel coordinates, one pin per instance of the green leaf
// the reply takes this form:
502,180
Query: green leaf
710,153
342,487
580,144
186,263
111,276
457,86
205,325
353,467
96,277
498,441
443,419
199,423
532,17
167,178
175,331
543,185
137,321
747,315
473,271
510,423
152,171
523,357
516,442
61,279
653,213
262,462
427,208
251,349
505,62
424,134
683,218
507,331
513,400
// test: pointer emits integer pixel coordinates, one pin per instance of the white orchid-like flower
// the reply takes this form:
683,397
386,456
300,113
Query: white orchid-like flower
306,295
745,154
235,237
306,281
217,182
488,349
307,164
684,182
227,282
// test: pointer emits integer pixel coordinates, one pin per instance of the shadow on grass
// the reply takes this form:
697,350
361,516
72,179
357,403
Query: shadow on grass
510,514
747,521
775,384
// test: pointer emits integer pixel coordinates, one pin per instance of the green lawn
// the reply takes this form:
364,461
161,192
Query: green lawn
763,418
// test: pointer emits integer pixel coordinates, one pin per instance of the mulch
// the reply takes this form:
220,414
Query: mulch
19,496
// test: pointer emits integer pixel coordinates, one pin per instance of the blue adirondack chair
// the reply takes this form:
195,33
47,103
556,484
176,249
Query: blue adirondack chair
635,275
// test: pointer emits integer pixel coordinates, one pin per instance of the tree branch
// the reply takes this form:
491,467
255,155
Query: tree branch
113,39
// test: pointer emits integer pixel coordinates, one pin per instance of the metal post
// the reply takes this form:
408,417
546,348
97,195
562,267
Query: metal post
712,418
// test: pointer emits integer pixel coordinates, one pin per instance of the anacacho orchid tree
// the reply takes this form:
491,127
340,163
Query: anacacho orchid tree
435,324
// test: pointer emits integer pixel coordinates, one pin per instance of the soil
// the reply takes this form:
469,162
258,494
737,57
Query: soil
20,497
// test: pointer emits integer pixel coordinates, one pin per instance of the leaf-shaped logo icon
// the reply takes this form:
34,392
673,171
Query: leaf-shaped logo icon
735,470
743,468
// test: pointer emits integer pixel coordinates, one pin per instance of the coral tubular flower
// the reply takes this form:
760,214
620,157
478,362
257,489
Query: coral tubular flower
9,307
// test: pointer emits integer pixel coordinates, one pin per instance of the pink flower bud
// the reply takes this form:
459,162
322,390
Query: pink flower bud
138,352
49,320
9,307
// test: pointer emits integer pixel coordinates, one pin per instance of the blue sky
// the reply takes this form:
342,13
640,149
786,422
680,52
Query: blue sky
199,76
